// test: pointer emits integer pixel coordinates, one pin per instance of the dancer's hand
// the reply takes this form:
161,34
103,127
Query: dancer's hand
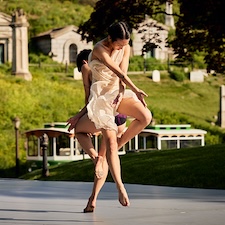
141,94
72,121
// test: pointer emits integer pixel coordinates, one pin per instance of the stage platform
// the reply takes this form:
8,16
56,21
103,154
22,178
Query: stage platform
61,203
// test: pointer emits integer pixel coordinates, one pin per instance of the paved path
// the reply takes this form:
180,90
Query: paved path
61,203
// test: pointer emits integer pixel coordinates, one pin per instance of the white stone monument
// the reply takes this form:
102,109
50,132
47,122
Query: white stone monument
156,76
20,65
222,107
196,76
76,74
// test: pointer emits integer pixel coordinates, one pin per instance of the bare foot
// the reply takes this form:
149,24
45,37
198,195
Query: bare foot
99,167
123,197
90,206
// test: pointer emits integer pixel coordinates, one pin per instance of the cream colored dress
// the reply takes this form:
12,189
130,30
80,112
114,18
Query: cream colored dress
104,92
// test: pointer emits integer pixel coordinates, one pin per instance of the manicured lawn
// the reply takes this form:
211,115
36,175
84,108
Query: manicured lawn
193,167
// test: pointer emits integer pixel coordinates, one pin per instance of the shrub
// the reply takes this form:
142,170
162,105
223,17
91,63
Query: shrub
136,63
178,75
154,64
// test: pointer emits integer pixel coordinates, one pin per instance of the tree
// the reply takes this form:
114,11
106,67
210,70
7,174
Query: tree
150,35
107,11
201,26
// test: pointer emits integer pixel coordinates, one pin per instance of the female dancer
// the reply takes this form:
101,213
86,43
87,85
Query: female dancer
120,120
98,158
109,63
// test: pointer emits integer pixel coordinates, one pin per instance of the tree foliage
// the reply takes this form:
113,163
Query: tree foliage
201,27
106,12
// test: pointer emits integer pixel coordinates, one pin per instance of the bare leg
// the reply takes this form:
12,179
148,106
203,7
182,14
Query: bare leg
84,125
99,167
102,153
98,183
114,164
83,128
88,147
121,129
86,143
142,115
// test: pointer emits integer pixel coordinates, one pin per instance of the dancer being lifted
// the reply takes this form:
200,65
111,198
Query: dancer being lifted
109,63
99,159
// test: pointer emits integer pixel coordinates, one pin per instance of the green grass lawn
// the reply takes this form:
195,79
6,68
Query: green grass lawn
199,101
201,167
55,97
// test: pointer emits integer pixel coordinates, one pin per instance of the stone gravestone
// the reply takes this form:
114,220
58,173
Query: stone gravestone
221,116
196,76
156,76
76,74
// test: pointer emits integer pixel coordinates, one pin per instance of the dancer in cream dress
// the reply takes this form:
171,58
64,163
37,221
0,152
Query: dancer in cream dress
106,93
109,63
99,158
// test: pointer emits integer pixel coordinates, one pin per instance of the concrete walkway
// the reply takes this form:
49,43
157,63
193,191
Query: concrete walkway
61,203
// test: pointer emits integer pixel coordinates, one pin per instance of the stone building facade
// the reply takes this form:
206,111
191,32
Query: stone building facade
157,33
62,44
14,43
5,38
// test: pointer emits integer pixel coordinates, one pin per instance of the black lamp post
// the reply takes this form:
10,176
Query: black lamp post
16,122
44,146
145,66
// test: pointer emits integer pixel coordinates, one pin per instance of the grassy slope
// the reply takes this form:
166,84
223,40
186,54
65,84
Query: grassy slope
194,167
48,14
52,97
56,98
197,100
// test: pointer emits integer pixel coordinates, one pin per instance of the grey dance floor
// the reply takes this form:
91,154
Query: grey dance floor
47,202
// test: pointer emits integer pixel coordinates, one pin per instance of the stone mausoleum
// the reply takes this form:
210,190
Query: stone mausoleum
14,43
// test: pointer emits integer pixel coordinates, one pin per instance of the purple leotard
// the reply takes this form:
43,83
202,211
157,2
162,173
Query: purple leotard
120,119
